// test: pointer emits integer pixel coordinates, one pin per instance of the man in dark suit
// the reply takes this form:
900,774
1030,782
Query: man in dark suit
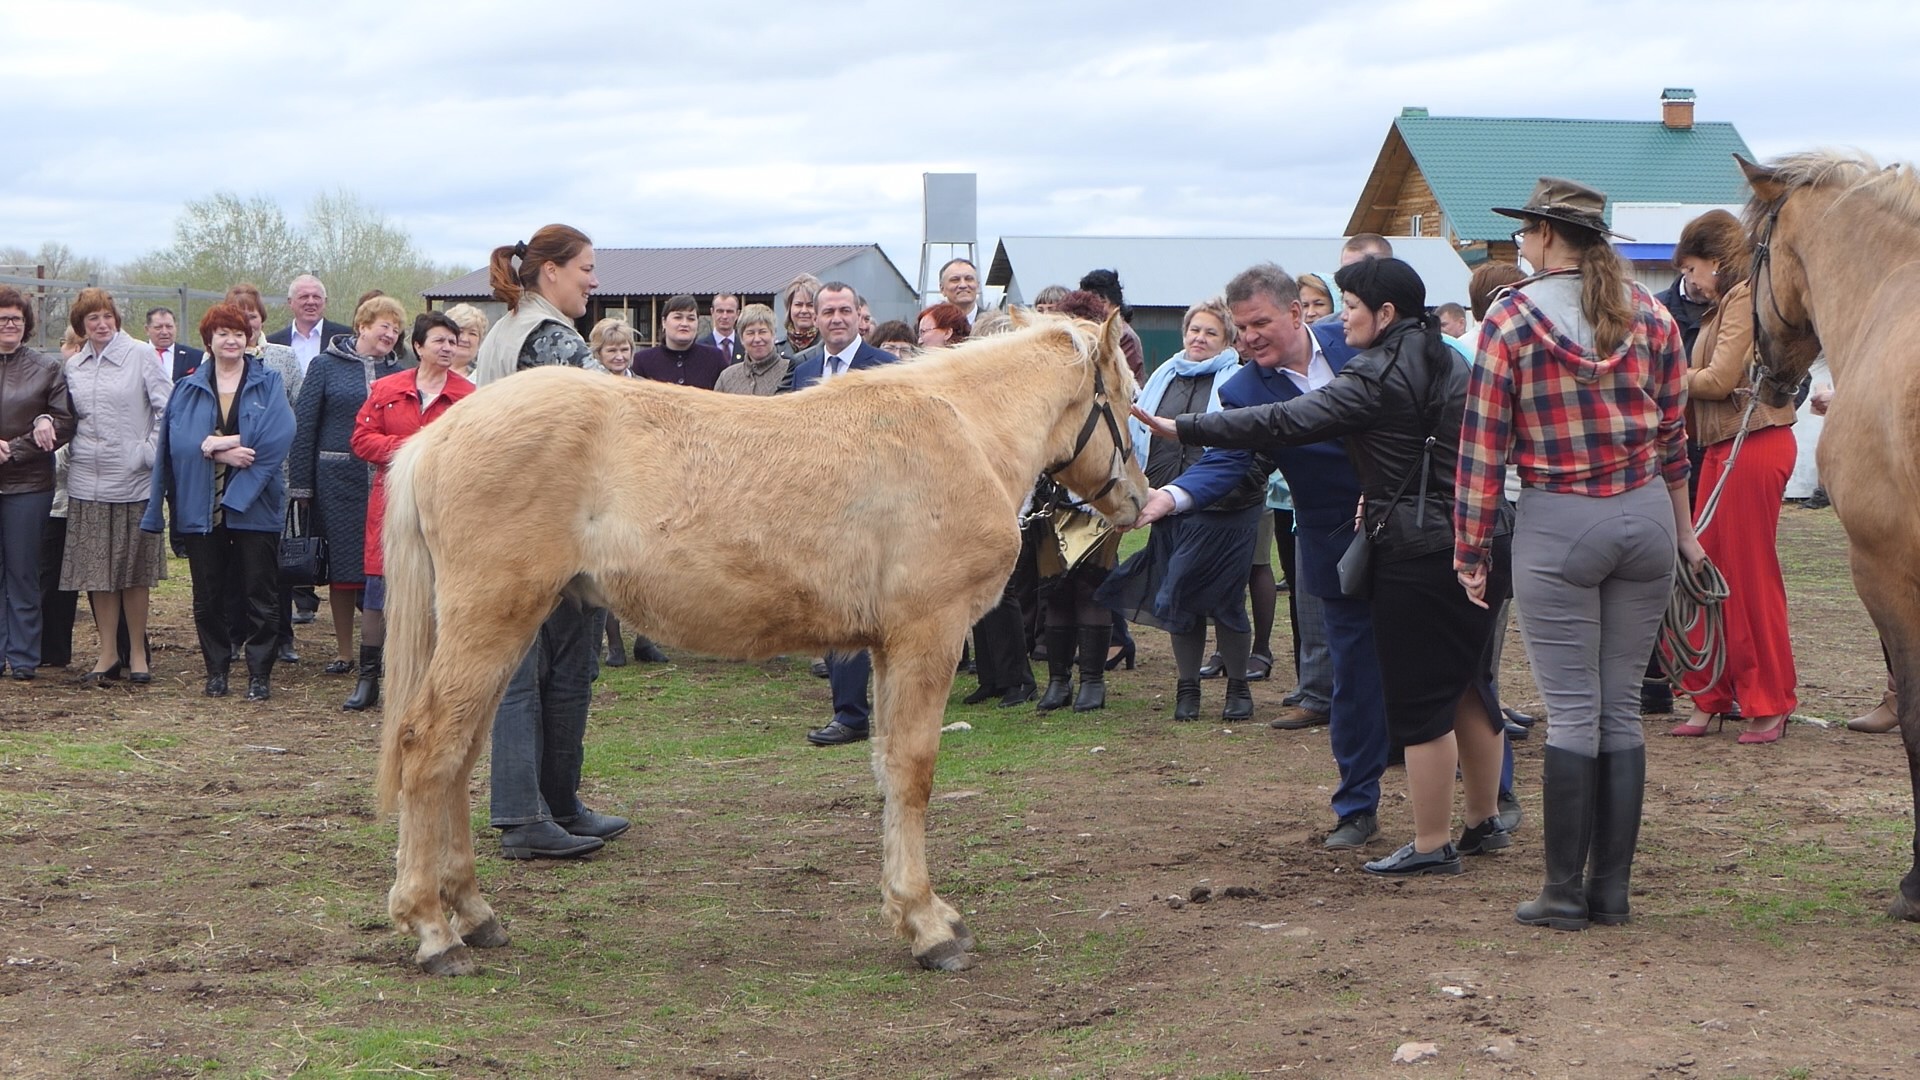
1290,358
841,350
724,335
175,359
310,330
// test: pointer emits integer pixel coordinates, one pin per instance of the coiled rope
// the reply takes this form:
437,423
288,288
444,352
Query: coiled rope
1696,611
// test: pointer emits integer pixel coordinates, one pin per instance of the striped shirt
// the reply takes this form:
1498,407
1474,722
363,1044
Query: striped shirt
1568,420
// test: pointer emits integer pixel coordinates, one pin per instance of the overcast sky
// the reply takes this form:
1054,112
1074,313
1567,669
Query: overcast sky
646,123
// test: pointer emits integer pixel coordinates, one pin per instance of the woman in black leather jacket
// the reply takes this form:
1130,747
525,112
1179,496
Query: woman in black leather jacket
1398,404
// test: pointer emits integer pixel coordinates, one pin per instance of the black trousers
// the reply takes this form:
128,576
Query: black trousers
57,605
236,563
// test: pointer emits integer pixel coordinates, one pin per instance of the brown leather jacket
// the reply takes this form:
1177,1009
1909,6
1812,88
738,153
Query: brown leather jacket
1721,355
32,384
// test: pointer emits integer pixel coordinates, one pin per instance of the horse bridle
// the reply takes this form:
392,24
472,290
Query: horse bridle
1102,409
1762,271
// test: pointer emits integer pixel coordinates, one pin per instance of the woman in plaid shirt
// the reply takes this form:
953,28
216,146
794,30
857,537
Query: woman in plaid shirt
1580,382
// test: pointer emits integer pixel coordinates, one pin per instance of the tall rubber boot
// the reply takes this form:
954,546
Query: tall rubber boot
1568,781
366,693
1093,667
1059,668
1616,831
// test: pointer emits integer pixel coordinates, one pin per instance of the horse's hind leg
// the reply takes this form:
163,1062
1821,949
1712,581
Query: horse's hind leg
414,902
911,680
473,916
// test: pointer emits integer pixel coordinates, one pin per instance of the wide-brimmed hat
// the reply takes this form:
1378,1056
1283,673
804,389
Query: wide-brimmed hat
1565,200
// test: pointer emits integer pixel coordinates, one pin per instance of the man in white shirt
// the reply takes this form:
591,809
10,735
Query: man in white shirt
724,335
960,286
311,330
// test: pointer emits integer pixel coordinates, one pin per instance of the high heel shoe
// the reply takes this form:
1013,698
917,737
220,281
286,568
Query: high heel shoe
1695,731
1773,733
1124,656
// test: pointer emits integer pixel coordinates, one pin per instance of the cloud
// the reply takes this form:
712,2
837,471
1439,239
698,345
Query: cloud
773,123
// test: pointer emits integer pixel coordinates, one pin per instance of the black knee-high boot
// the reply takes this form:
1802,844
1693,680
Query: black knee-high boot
1616,832
366,693
1059,690
1093,667
1568,783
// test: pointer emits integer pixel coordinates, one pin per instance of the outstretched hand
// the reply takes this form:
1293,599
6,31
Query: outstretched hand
1159,425
1159,505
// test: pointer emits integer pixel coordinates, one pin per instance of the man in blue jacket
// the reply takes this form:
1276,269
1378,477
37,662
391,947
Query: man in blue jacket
1289,358
837,314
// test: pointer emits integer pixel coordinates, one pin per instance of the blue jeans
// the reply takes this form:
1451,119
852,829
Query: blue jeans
21,519
542,722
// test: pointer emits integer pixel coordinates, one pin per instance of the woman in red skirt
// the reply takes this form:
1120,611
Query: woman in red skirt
1714,257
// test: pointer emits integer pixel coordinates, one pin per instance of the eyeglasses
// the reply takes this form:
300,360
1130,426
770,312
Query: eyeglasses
13,320
1521,234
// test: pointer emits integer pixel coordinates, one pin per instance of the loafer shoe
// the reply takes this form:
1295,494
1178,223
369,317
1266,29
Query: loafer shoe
216,686
1410,863
258,689
21,674
588,823
288,656
1484,838
1299,718
546,840
819,669
1019,695
338,667
1353,832
836,734
1510,814
302,618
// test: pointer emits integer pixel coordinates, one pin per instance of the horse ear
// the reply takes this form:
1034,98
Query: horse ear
1018,315
1760,178
1110,335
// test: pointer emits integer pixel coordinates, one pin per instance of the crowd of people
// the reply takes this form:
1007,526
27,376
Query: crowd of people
1418,471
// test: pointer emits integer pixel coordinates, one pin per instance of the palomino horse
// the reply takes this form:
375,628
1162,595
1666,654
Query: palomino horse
878,511
1837,268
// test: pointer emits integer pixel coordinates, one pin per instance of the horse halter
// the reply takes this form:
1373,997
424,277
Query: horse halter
1762,271
1102,409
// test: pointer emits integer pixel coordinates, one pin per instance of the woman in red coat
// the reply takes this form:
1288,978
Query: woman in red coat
397,406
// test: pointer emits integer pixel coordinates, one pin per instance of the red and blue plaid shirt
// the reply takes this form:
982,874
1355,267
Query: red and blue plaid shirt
1569,421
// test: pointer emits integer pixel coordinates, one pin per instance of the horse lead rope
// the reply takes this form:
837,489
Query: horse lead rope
1698,601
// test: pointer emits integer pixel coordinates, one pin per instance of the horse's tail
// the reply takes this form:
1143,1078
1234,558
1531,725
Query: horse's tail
410,615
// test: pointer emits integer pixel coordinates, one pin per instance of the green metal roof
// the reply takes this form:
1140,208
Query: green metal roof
1473,163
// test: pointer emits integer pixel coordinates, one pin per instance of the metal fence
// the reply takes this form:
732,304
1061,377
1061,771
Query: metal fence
53,297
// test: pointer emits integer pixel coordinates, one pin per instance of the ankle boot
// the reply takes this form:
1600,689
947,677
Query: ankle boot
1060,641
366,693
1186,699
1093,667
616,648
1567,785
1884,718
1239,701
1616,831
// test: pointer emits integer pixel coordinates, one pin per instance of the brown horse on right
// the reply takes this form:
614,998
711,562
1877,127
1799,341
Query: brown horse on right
1837,269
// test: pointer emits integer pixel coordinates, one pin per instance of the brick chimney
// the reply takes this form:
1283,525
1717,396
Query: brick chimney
1676,108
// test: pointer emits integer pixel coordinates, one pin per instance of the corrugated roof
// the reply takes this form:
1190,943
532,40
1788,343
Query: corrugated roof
1474,163
698,270
1175,271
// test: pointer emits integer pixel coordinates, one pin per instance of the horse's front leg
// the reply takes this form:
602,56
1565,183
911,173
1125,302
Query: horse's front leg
911,685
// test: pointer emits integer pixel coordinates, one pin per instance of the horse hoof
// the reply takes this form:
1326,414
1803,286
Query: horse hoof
949,955
488,935
961,935
454,961
1904,908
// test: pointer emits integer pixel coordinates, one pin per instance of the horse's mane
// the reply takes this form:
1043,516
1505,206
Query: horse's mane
1895,188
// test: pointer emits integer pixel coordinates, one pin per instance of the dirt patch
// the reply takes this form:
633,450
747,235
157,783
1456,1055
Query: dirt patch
197,887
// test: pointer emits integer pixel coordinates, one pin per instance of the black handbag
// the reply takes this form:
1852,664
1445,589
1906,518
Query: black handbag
303,556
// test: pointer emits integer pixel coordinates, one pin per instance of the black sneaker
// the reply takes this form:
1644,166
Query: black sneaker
1484,838
1410,863
1353,832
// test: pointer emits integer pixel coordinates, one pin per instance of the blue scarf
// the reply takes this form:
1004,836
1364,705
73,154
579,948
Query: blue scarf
1177,367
